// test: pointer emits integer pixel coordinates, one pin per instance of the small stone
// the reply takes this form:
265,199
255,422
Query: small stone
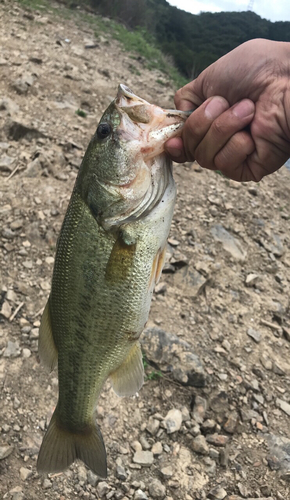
173,421
199,445
157,448
5,451
157,489
92,478
144,443
121,473
283,405
199,409
217,439
12,350
136,445
255,335
143,458
82,474
231,423
153,426
166,472
103,488
251,279
25,473
6,309
140,495
217,494
26,353
46,484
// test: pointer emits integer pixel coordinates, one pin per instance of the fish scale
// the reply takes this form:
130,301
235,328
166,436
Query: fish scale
109,256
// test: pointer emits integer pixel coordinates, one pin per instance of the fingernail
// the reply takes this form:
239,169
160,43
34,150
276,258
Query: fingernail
243,109
215,108
176,153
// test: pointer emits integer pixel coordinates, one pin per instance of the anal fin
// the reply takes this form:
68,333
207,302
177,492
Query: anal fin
46,346
129,377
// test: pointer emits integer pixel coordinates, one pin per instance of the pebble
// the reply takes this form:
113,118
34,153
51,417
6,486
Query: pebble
157,489
199,445
121,473
103,488
5,451
166,472
92,478
153,426
173,421
283,405
217,439
12,350
217,494
255,335
25,473
6,309
47,484
143,458
140,495
157,448
199,409
26,353
231,423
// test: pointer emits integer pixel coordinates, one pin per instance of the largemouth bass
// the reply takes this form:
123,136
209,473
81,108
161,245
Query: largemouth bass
110,255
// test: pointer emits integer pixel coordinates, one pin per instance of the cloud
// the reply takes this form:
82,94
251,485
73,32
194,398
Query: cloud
275,11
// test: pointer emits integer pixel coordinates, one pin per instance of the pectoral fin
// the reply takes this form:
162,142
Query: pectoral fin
121,261
46,346
129,377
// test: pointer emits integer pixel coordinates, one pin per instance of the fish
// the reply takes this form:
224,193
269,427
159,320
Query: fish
109,257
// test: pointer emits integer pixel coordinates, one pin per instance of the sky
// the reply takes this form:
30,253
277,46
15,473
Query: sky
278,10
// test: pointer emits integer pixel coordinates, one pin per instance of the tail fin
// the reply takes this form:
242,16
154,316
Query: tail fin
60,448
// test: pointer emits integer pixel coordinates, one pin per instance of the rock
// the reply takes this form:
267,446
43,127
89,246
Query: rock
121,473
189,282
175,355
286,332
166,472
140,495
6,310
199,445
199,409
12,350
217,493
283,405
82,474
26,353
157,489
25,473
157,448
144,458
173,421
153,426
251,279
103,488
6,164
230,244
231,423
5,451
255,335
217,439
47,484
92,478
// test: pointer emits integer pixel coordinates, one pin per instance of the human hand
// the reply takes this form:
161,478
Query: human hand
242,124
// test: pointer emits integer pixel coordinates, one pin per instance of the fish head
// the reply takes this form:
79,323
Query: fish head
123,161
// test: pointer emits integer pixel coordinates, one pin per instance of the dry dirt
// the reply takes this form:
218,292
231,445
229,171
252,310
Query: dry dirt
232,306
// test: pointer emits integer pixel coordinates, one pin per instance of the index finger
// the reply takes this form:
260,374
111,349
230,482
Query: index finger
185,99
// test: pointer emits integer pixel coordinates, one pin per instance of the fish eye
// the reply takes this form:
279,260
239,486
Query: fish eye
103,130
